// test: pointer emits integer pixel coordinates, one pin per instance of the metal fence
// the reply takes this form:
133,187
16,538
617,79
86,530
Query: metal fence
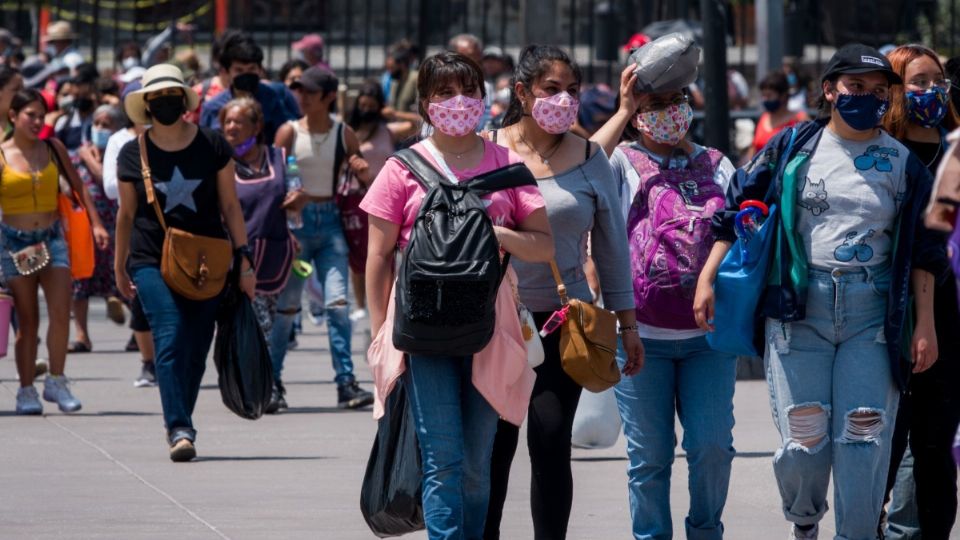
357,32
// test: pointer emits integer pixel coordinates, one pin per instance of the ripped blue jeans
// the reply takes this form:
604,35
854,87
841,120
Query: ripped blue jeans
834,401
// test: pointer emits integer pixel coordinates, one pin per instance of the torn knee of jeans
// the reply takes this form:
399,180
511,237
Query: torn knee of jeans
289,311
341,303
863,425
808,426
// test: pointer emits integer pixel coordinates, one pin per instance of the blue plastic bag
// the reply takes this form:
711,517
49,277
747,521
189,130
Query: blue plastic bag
738,288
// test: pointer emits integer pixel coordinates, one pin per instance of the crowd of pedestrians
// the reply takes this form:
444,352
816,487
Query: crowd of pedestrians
292,180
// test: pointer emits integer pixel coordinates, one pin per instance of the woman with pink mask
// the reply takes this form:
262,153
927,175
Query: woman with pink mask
455,406
583,207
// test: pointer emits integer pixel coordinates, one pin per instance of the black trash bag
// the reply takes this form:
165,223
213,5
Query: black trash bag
242,357
390,497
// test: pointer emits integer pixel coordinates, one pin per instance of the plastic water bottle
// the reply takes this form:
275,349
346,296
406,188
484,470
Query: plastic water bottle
294,217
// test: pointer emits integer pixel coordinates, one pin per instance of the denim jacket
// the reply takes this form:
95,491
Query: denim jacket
914,245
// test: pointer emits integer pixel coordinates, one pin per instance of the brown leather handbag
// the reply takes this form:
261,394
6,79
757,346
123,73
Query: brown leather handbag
192,265
588,341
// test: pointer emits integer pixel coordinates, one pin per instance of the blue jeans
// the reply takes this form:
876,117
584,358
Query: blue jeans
322,244
182,332
903,519
455,427
687,378
834,401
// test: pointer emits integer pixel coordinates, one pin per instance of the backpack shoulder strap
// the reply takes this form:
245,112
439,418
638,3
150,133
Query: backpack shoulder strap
423,171
340,152
512,176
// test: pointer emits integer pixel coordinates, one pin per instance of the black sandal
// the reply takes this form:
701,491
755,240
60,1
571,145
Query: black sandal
79,347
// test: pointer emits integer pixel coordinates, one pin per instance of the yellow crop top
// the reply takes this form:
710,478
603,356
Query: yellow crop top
27,192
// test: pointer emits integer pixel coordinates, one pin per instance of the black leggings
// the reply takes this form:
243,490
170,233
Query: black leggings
549,425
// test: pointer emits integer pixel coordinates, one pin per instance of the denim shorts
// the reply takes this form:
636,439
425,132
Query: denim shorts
15,239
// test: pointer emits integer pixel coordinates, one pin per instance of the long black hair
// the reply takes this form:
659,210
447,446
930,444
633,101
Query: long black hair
535,61
371,89
7,74
25,97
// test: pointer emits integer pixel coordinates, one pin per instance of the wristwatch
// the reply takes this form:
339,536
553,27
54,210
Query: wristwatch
245,252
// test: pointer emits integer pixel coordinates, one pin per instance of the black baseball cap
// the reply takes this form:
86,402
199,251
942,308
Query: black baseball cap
316,79
859,58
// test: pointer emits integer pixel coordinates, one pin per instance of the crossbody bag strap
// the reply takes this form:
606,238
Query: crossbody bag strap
148,179
561,288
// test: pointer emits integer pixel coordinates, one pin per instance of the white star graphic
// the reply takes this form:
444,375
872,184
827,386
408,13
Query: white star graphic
179,191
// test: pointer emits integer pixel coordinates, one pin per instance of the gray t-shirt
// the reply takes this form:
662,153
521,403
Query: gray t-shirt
582,205
848,200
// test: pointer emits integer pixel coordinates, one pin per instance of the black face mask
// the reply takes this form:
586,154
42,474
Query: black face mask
166,109
367,117
83,104
396,74
247,82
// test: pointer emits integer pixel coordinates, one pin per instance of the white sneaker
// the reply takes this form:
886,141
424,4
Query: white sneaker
797,534
56,390
358,315
28,401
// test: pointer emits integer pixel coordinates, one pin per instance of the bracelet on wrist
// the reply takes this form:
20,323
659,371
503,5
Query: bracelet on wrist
624,329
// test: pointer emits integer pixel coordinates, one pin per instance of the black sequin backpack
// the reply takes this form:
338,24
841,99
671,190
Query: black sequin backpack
451,270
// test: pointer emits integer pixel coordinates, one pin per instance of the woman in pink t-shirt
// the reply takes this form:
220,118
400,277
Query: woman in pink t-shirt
455,424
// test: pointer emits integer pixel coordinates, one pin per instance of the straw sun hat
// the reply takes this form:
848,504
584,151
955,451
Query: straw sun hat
157,78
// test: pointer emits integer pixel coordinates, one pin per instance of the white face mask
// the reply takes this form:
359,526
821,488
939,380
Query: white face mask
129,63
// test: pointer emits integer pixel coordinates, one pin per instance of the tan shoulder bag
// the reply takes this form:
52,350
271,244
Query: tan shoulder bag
192,265
588,341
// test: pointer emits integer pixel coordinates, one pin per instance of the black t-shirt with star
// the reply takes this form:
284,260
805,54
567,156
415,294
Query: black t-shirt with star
185,183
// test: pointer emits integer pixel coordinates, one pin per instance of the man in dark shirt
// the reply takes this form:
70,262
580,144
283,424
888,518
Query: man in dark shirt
241,64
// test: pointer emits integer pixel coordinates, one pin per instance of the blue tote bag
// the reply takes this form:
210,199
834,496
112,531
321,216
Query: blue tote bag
742,278
740,282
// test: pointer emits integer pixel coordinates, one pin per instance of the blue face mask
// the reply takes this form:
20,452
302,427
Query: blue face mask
99,137
927,109
792,79
862,111
771,105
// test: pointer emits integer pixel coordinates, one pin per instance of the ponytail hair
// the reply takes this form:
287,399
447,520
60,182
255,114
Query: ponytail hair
535,61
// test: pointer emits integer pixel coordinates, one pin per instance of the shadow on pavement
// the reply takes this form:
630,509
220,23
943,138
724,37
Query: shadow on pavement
309,410
114,413
258,458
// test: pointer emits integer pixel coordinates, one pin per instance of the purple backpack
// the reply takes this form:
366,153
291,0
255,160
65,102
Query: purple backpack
669,234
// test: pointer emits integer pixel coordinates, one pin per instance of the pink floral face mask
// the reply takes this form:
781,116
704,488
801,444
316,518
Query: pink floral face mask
666,126
556,113
456,116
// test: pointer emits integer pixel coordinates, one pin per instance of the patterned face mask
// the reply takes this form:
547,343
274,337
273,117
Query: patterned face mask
666,126
555,114
927,109
456,116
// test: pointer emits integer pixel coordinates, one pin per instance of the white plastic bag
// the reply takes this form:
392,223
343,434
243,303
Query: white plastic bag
530,337
597,422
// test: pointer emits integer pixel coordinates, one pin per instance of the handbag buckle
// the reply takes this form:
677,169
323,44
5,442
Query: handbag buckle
203,272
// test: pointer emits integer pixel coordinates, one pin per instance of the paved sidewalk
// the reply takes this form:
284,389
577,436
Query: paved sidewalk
104,472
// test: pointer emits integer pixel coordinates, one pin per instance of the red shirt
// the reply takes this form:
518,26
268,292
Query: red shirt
764,132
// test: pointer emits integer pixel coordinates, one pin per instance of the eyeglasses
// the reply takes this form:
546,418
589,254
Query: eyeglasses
659,105
924,84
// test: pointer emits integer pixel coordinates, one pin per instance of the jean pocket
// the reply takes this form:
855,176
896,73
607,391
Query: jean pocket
880,287
778,335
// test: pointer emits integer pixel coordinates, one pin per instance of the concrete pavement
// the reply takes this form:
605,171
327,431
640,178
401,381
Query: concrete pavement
104,472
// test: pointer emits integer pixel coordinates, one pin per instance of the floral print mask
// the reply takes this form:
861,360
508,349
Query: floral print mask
555,114
666,126
456,116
